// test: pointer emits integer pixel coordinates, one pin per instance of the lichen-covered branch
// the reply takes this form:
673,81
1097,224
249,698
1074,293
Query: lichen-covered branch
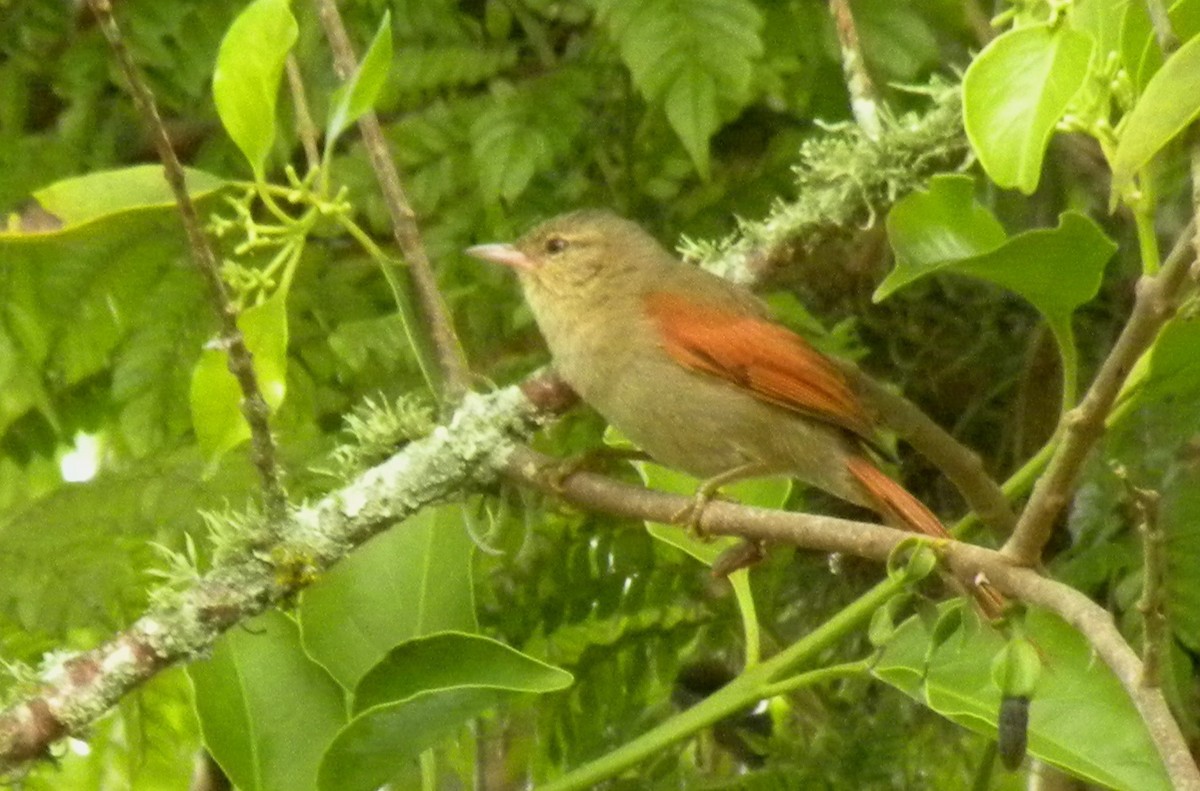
75,690
864,99
844,181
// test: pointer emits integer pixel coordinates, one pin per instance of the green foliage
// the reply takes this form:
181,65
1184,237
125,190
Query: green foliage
358,95
682,113
692,58
1014,94
1108,746
259,743
1161,114
246,78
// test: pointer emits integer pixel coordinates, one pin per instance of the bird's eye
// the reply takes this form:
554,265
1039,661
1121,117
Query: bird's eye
556,244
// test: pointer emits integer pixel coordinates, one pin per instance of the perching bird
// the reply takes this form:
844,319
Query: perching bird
691,368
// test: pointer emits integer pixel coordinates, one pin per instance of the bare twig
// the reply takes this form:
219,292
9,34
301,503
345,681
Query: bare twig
305,127
452,361
253,406
1156,302
1150,604
864,99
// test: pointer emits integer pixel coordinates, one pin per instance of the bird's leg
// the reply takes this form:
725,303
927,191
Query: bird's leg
689,515
556,472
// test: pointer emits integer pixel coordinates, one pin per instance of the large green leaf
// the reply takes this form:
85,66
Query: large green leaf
690,57
111,195
421,693
412,581
216,396
943,229
1169,104
246,77
1015,92
1080,717
266,710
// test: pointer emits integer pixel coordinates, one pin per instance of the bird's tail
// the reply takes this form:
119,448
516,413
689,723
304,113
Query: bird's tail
893,502
896,505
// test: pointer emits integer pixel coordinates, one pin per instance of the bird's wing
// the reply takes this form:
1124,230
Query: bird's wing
770,361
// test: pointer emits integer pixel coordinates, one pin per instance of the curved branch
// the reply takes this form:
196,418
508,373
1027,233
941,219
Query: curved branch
1156,302
876,542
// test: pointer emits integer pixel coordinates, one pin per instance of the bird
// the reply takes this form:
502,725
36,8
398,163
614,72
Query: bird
691,367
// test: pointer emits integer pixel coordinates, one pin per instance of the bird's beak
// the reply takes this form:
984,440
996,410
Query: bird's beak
502,254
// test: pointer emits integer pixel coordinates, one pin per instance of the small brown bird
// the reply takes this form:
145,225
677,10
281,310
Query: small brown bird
691,369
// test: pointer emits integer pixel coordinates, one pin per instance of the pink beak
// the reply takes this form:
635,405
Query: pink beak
502,254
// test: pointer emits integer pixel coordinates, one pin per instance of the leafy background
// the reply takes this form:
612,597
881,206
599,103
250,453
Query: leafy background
682,113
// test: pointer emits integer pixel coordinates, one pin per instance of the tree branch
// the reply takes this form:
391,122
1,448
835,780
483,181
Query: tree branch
452,361
876,542
254,407
75,690
1156,302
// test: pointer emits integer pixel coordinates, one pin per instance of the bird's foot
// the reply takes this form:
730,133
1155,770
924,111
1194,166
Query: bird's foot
555,473
690,515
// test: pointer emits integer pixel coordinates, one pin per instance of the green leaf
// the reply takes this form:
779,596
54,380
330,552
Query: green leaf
944,229
1081,719
1015,92
690,57
246,77
359,93
215,395
260,743
1056,269
422,693
1169,104
412,581
109,194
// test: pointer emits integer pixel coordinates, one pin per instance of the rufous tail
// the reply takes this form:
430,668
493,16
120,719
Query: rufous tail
896,505
893,501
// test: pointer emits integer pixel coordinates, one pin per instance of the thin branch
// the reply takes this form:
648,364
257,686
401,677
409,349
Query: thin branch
1156,302
876,542
961,465
253,406
452,361
305,128
1151,604
864,99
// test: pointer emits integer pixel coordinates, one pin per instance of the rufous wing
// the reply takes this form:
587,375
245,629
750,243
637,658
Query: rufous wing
767,359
